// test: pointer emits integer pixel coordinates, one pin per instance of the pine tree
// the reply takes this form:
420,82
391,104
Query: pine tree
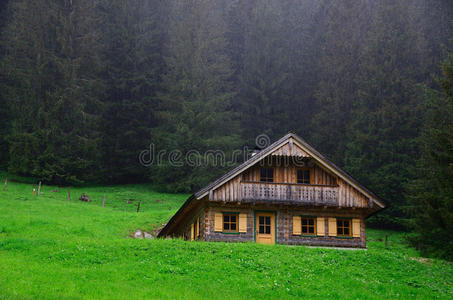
130,50
49,69
194,108
343,26
385,118
265,84
431,194
4,107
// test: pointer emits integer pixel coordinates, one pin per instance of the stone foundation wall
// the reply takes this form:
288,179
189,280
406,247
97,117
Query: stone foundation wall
285,229
211,235
284,219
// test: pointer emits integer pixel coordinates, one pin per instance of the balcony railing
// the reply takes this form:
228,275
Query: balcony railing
290,192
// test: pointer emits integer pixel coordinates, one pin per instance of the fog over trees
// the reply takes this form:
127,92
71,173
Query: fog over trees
86,85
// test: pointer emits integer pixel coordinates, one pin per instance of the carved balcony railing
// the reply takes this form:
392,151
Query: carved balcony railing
289,193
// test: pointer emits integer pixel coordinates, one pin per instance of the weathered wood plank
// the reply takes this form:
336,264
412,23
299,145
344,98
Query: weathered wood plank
346,195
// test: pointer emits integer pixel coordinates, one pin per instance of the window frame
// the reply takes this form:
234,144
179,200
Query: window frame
267,178
315,225
236,214
349,227
265,225
309,175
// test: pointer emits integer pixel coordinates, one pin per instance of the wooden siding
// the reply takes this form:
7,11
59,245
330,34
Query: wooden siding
290,149
288,174
349,197
325,188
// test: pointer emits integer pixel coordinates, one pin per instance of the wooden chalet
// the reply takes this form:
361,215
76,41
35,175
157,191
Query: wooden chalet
288,193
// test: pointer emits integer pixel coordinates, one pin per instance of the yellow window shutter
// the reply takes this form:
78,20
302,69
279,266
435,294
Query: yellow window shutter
320,226
297,227
198,227
242,222
332,227
191,231
218,224
356,227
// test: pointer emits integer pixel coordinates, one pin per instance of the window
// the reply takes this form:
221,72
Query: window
344,227
267,174
303,176
230,223
264,223
308,226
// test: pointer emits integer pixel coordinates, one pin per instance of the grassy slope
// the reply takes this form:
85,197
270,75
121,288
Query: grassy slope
50,248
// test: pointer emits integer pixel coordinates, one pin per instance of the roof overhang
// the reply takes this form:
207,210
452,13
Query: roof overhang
324,162
290,137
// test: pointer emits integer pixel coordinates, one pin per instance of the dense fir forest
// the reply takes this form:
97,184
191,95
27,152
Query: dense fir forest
86,85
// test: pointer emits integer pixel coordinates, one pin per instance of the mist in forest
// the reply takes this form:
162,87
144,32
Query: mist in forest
86,85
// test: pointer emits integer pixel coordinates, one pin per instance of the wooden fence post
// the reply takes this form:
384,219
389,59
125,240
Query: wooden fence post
138,205
6,184
103,200
386,241
39,188
69,194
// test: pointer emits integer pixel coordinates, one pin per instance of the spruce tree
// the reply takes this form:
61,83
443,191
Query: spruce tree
49,67
194,108
4,107
130,51
343,27
265,85
431,194
385,117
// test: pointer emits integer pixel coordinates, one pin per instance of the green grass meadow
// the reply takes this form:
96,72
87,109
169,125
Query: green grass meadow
54,249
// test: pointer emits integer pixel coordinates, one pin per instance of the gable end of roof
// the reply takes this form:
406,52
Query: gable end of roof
307,148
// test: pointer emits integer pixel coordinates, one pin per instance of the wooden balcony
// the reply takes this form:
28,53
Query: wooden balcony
292,193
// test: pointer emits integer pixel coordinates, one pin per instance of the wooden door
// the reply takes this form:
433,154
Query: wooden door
265,228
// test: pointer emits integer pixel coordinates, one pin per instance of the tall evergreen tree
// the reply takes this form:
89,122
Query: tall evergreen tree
195,110
344,26
4,107
265,83
49,68
131,38
431,194
381,148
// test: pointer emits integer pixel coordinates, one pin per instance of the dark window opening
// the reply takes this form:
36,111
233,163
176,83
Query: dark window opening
308,226
267,174
303,176
264,225
343,227
230,223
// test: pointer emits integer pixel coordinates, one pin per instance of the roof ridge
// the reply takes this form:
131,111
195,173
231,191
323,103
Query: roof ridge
257,157
268,149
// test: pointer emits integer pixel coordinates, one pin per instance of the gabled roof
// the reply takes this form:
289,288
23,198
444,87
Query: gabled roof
305,149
